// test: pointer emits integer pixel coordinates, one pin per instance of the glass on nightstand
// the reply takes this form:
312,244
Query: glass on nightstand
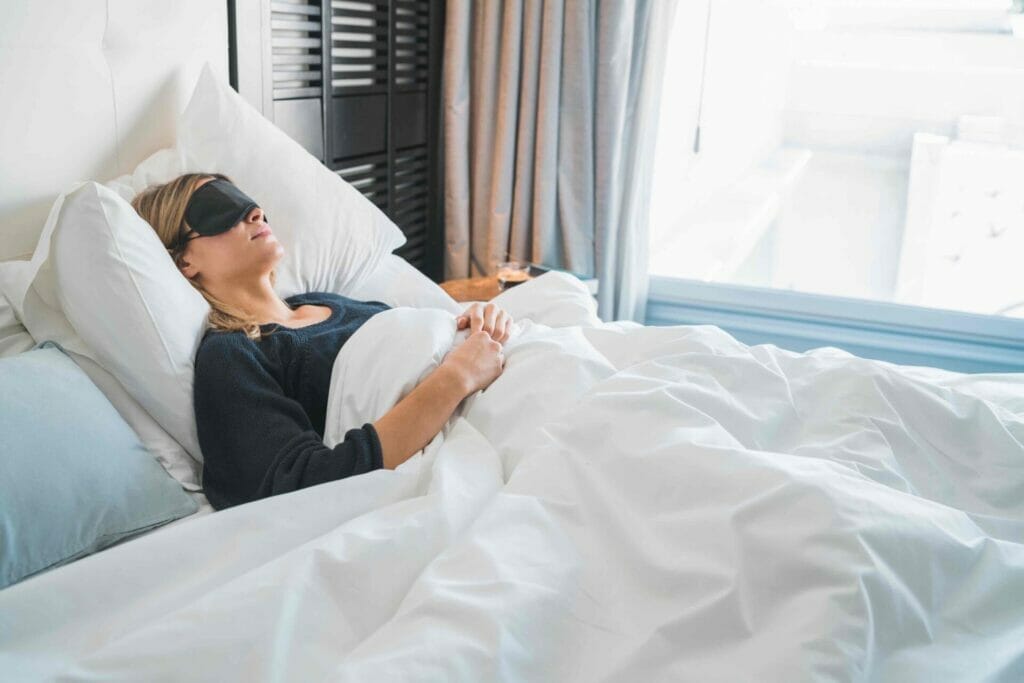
511,273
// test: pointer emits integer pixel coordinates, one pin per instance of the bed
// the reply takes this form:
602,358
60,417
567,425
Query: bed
625,503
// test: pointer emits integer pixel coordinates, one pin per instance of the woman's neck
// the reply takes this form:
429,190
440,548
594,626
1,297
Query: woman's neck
259,300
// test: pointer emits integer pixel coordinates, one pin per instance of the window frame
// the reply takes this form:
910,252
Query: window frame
798,321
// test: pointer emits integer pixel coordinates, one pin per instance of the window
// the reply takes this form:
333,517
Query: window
862,151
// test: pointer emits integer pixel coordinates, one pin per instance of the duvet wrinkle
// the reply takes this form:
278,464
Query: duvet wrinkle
908,606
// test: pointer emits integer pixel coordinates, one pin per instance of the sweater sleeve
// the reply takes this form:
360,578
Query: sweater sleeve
257,441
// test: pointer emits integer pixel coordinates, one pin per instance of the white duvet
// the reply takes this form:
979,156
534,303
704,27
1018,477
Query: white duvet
623,503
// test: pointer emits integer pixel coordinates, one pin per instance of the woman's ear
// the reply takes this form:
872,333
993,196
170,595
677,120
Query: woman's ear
186,268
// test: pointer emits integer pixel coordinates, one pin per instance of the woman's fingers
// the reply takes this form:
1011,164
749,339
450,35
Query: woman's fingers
503,326
482,318
490,318
476,321
468,318
491,313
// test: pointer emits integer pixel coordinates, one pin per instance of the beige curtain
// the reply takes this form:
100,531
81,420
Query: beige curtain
550,110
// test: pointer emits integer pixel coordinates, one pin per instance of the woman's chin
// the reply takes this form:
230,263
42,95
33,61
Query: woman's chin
274,253
270,260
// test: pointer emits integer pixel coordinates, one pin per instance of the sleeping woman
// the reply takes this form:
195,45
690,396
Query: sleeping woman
263,368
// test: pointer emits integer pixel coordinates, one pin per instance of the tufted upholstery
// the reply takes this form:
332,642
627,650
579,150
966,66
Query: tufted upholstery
88,89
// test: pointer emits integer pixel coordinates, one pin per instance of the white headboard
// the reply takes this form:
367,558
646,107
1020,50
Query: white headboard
88,89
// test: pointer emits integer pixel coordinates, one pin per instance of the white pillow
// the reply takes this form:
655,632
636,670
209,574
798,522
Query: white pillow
162,166
334,237
102,286
397,283
394,281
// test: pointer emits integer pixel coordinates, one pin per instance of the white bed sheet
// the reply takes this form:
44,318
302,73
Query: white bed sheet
624,503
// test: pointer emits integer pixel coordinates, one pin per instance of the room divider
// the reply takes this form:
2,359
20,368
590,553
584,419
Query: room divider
357,83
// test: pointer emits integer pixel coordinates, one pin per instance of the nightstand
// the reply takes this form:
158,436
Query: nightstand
472,288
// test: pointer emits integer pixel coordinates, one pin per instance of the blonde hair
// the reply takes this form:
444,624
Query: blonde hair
163,207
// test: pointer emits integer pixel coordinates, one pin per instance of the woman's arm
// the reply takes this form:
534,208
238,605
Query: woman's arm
257,441
416,419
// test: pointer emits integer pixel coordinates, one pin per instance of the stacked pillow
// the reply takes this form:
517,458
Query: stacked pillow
50,324
101,284
74,477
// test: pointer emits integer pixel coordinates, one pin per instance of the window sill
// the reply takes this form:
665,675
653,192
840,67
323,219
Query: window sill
909,335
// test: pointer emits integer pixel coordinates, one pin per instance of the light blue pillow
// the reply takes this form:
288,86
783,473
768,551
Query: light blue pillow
74,477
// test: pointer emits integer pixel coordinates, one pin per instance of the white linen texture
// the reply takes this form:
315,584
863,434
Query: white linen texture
624,503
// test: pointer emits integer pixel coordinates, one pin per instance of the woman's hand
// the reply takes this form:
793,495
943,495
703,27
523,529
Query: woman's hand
475,363
422,413
487,317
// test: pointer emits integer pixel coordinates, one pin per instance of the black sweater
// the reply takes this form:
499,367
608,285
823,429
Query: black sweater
261,406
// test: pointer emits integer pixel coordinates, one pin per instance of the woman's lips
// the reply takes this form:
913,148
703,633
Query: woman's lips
262,233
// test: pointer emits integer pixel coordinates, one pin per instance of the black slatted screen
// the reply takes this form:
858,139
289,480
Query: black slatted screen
296,49
377,112
381,116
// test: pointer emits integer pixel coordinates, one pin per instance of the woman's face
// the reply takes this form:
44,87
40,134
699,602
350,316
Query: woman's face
243,253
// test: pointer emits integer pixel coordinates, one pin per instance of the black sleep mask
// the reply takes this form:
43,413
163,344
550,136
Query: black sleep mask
217,207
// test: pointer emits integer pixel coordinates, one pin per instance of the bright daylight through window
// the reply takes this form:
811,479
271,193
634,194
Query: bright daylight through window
870,149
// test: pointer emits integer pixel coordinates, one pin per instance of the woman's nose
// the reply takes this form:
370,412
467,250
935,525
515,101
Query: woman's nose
256,215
